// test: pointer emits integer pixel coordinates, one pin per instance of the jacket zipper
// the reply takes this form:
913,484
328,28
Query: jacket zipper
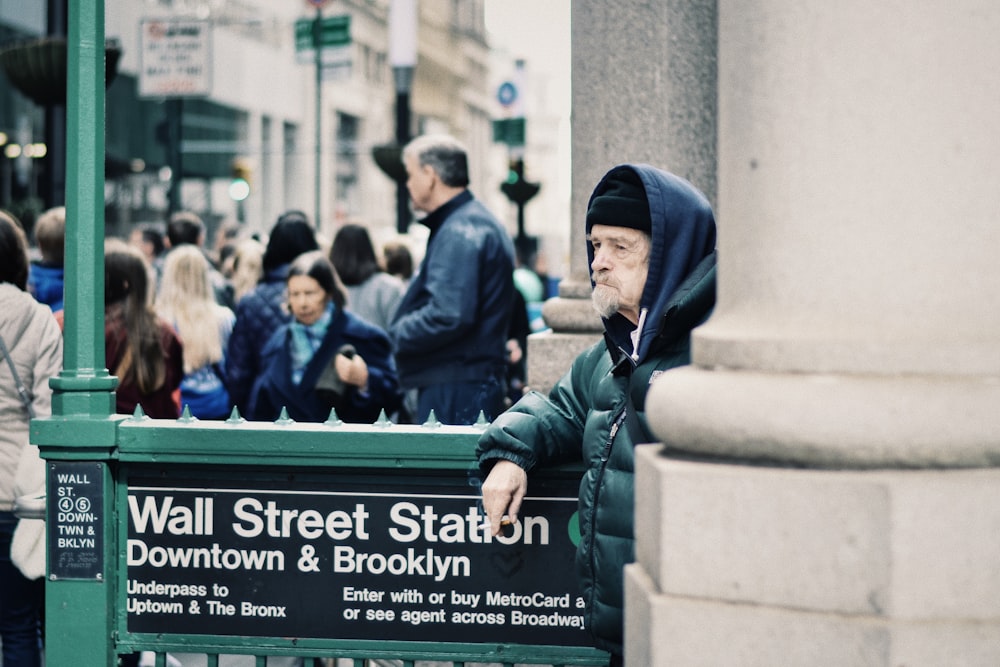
605,455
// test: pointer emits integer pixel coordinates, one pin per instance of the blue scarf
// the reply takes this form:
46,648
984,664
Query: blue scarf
306,339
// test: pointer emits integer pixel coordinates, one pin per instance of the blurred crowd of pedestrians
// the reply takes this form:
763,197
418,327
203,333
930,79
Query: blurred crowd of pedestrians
283,326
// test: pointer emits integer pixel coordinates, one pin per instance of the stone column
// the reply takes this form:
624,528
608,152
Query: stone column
651,101
853,359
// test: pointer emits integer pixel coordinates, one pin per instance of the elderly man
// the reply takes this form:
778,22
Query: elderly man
450,330
651,244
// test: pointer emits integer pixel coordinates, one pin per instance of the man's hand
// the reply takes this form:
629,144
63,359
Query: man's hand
503,492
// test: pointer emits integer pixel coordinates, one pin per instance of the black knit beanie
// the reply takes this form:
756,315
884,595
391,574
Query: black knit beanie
621,203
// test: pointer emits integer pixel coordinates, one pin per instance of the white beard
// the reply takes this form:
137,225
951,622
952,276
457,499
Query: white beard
605,300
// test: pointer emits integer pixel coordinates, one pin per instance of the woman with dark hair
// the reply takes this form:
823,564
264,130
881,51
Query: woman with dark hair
261,312
291,236
32,353
372,294
325,357
140,348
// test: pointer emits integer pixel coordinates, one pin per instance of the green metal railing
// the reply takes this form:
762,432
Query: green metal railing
279,514
322,541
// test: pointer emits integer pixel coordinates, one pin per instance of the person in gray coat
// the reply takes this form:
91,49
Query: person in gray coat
32,353
372,294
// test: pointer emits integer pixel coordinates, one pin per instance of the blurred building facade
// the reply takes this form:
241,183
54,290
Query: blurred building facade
259,114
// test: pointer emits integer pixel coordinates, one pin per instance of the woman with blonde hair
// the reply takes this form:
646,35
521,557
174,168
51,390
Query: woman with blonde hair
246,267
187,301
141,349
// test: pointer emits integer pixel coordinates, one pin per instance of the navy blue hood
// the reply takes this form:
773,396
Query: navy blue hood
683,235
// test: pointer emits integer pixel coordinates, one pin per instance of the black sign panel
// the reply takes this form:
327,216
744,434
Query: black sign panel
75,516
350,557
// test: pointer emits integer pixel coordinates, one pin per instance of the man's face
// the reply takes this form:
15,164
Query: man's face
619,269
420,183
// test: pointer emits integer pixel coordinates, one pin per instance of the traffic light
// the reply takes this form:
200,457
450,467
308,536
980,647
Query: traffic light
515,170
517,189
239,187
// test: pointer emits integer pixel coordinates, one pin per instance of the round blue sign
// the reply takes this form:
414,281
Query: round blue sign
507,93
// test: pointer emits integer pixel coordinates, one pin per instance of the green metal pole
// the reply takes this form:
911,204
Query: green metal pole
80,614
318,45
83,359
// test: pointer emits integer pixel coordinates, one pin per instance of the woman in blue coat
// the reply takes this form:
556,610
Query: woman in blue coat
325,357
261,312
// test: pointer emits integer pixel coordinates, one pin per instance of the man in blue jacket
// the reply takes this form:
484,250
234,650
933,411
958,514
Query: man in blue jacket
651,245
450,331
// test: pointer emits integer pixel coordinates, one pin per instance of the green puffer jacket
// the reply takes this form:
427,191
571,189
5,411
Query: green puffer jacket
586,417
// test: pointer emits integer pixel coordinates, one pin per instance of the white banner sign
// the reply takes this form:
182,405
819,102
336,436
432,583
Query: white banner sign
176,58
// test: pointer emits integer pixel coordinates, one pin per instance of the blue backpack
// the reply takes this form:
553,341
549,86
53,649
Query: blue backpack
205,394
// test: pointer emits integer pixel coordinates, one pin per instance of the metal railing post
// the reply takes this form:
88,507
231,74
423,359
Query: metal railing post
78,440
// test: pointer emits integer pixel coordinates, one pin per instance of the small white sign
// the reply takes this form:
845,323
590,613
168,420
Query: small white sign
336,56
176,58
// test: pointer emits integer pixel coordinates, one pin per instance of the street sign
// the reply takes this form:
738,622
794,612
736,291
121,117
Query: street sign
351,556
76,519
335,42
507,93
175,58
509,131
334,31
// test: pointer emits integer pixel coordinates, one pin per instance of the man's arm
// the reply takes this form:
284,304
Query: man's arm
537,430
451,279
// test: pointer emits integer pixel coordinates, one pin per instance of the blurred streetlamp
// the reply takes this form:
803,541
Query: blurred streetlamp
403,58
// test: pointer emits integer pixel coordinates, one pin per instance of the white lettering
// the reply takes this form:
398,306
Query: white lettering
428,564
213,557
255,519
177,520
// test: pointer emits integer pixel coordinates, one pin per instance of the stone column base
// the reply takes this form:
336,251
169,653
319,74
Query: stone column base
575,327
830,420
671,631
550,355
740,565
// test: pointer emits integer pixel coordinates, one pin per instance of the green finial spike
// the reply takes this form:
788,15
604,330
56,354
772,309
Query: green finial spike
482,422
432,420
234,417
283,418
383,420
333,419
139,415
186,415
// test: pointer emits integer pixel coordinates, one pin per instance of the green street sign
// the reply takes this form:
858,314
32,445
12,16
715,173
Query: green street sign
509,131
334,31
